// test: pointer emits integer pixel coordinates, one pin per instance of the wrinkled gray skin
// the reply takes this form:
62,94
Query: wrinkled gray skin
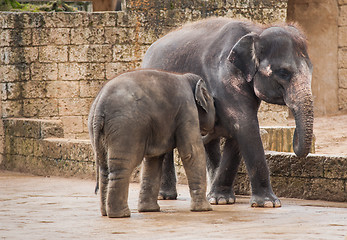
242,63
147,113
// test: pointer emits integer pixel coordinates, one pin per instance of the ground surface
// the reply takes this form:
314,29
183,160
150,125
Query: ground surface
330,133
34,207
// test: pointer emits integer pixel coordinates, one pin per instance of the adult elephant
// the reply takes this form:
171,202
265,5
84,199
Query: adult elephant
243,63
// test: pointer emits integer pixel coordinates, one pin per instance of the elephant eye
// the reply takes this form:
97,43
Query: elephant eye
283,73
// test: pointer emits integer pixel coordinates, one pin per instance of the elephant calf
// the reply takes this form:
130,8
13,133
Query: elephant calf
145,114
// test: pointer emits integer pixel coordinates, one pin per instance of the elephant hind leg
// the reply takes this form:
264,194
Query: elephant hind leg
168,189
120,170
150,184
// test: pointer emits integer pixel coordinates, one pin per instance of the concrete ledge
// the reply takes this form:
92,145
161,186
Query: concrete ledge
36,146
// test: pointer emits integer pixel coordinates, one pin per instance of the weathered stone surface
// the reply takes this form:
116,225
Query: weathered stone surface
343,78
74,106
335,167
18,72
40,108
51,36
81,36
62,89
44,71
90,53
342,96
73,124
51,54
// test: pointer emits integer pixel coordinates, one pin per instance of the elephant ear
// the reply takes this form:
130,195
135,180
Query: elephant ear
243,55
201,95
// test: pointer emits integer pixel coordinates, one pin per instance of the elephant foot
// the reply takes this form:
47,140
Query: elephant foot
265,201
221,198
125,212
103,212
200,206
167,195
148,207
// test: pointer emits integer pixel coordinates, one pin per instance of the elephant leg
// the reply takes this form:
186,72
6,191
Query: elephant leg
213,157
168,189
120,168
150,183
221,191
103,181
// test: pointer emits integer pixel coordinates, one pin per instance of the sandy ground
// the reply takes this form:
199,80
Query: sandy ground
33,207
331,135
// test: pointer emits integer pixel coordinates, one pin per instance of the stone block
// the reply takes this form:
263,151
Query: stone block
34,89
101,19
18,72
124,53
81,71
327,189
342,73
342,36
65,19
15,37
51,36
51,54
311,166
74,106
44,71
40,108
114,69
90,53
11,108
18,55
12,90
280,164
24,128
23,146
342,57
119,35
62,89
71,71
72,124
342,19
90,88
335,167
52,129
77,150
342,98
85,36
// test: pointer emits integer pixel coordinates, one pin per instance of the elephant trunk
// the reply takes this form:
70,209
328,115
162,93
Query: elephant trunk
303,114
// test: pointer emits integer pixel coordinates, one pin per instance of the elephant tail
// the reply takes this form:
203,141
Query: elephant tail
96,125
99,146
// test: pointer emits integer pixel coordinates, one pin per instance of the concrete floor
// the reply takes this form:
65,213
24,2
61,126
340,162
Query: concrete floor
34,207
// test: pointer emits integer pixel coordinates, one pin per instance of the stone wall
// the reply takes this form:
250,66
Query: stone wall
342,54
37,147
325,24
53,64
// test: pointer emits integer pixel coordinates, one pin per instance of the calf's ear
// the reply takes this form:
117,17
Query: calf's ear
202,96
243,55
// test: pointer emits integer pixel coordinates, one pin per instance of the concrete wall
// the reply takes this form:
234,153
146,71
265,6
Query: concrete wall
325,23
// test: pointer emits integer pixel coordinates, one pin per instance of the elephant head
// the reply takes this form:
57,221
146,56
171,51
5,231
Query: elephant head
276,64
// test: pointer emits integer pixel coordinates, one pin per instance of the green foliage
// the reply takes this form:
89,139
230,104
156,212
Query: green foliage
56,6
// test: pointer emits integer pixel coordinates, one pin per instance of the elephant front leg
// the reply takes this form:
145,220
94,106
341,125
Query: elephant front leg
252,150
150,183
168,189
221,191
194,163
